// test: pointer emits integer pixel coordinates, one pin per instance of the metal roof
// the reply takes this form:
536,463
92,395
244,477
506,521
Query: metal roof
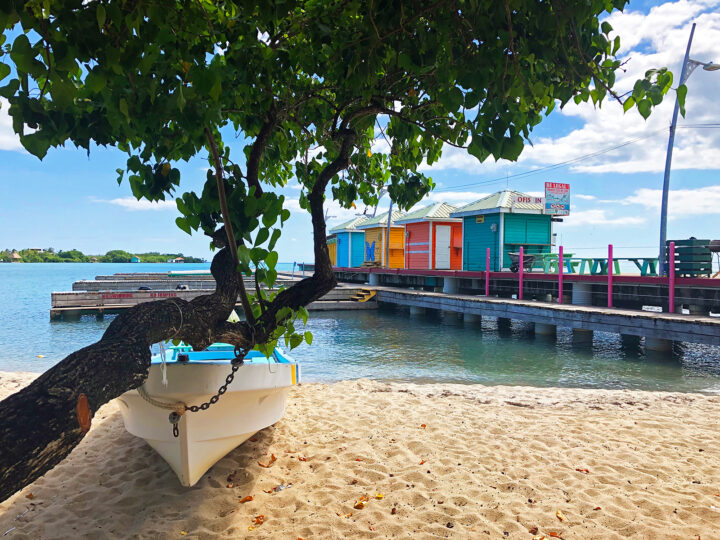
439,210
380,220
349,225
499,200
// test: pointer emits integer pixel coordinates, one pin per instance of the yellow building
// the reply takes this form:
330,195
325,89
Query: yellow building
375,235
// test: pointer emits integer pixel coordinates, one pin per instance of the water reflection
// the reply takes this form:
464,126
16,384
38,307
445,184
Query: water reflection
395,345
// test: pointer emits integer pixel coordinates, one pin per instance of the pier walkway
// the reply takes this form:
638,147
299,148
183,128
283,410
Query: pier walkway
651,325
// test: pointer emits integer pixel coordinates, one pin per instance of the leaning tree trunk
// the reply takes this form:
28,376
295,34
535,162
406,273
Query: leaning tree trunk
42,423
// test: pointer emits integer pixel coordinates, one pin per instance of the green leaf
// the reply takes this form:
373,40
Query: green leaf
36,143
271,259
629,104
183,224
273,239
308,338
123,106
681,94
295,340
512,147
644,107
4,71
262,235
100,13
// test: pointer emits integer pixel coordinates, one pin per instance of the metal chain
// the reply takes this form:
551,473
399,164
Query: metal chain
236,363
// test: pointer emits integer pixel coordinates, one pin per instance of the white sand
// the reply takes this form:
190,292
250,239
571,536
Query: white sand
498,461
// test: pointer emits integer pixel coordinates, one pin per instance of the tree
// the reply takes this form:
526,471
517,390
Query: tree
117,256
309,85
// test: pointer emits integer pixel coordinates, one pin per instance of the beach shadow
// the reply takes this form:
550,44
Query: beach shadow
115,485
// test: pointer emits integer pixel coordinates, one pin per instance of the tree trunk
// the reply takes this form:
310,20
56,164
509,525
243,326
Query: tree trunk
42,423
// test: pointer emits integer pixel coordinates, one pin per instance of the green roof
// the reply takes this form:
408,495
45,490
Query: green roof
380,220
501,199
349,225
439,210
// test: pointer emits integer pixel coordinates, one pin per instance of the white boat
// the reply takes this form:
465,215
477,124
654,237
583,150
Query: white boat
254,400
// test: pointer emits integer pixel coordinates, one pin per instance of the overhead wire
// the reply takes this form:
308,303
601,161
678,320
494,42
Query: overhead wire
558,165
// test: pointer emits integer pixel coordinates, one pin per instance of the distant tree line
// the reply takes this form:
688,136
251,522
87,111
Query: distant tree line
74,255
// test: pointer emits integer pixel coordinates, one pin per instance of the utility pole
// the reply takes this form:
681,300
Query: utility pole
662,263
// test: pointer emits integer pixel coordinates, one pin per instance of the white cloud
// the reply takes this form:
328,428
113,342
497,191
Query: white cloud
652,40
585,197
132,204
8,139
599,217
681,202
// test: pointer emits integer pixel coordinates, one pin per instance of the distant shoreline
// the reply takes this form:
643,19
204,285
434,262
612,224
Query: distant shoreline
42,255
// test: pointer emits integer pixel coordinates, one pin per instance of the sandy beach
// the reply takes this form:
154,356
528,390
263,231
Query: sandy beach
449,461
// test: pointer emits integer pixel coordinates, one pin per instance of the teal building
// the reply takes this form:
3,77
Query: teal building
503,222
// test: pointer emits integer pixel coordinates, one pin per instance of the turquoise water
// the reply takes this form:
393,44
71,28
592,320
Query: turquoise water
387,344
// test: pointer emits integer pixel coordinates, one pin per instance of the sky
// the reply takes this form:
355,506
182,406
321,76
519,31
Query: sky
614,163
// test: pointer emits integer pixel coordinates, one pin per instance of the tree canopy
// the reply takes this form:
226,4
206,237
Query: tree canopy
308,86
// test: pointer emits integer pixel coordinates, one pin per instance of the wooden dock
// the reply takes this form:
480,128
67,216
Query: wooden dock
72,305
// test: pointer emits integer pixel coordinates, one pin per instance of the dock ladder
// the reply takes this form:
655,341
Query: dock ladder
363,295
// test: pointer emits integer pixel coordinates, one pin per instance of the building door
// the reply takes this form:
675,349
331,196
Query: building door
442,247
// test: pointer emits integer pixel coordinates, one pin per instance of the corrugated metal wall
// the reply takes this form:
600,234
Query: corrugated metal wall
357,253
373,252
477,238
343,244
332,248
526,230
417,245
455,243
397,247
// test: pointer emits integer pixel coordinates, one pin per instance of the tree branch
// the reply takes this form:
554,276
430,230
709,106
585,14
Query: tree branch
232,243
40,424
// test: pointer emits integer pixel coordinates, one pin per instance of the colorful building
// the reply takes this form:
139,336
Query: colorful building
349,243
375,230
433,240
332,249
503,222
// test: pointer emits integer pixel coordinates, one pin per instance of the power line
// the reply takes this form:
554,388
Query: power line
555,165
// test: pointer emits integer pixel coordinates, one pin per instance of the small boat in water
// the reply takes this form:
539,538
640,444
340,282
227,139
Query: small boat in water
193,441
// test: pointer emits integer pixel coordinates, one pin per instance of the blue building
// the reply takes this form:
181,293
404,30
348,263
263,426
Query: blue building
503,222
350,243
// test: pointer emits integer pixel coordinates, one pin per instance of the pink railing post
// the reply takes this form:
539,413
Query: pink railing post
520,274
487,273
610,274
671,278
560,275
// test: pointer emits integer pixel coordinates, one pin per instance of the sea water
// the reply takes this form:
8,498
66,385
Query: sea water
385,344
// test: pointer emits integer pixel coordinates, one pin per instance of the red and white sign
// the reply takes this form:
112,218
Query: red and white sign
527,199
557,199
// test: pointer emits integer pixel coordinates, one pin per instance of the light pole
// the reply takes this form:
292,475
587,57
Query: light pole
688,67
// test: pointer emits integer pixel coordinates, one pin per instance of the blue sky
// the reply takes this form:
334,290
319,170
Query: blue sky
71,200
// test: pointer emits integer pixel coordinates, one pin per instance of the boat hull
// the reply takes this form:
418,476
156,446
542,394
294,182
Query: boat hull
254,400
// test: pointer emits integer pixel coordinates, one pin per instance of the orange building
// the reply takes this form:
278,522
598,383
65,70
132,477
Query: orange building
433,240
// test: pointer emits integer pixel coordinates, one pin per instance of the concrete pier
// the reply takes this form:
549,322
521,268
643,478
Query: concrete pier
580,335
451,285
582,294
545,329
374,279
658,344
471,318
